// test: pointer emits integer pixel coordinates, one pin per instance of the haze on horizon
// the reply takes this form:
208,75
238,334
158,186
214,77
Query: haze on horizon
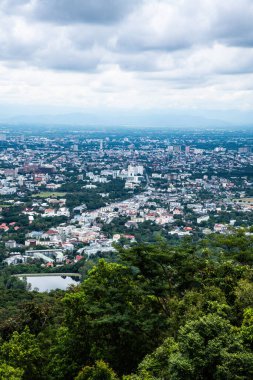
126,60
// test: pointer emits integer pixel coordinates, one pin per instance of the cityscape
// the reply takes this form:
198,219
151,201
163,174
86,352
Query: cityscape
126,190
78,195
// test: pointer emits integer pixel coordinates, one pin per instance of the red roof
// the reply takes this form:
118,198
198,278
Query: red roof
129,236
78,257
52,232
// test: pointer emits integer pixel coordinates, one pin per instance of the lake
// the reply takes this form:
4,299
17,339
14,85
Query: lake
45,283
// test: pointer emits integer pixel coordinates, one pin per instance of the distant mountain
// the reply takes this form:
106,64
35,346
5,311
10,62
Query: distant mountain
129,119
93,119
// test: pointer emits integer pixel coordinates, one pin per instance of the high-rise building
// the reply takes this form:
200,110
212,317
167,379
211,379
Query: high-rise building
177,148
244,149
140,170
135,170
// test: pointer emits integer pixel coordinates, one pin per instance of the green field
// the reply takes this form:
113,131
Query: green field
49,194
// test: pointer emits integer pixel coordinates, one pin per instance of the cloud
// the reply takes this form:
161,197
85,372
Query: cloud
75,11
177,25
232,23
159,25
131,52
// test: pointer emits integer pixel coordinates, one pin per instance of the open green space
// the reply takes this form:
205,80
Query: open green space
49,194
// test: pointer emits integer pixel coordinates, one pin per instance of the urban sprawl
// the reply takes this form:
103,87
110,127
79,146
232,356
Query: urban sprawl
73,194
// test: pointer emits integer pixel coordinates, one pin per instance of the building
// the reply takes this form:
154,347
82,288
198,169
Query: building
11,244
133,171
47,255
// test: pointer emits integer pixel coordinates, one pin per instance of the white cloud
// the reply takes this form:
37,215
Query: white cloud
150,53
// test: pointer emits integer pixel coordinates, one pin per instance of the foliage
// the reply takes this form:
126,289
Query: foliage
7,372
100,371
149,312
206,348
22,351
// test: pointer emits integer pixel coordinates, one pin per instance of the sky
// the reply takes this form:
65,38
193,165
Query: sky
127,57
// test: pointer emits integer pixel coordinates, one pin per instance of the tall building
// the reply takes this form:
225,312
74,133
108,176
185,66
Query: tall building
140,170
135,170
177,148
244,149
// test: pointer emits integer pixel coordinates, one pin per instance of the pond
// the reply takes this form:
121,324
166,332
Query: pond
45,283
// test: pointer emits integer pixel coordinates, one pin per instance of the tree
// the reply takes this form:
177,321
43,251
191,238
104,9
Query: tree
206,349
244,294
113,318
7,372
155,365
165,312
22,351
247,327
100,371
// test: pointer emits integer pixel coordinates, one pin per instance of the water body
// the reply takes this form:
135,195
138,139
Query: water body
46,283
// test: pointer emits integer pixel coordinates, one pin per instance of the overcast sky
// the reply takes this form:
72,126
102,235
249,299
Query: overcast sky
130,54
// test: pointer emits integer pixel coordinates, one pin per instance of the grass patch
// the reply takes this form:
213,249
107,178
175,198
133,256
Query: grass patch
49,194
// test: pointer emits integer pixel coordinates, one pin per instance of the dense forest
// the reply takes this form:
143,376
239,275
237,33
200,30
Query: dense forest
154,311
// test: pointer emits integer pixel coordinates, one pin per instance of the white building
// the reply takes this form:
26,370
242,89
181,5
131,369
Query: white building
203,218
133,171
